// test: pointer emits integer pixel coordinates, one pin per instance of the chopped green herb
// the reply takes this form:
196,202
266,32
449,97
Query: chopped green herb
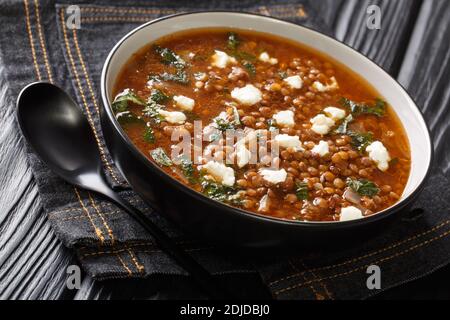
363,186
158,96
223,125
188,168
233,41
343,126
378,108
244,56
360,140
180,77
394,161
272,124
282,74
250,68
169,57
149,135
301,191
127,117
120,103
220,192
152,110
160,156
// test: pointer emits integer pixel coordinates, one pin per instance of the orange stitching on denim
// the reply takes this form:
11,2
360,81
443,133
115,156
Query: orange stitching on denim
314,291
139,267
146,244
128,10
98,232
80,89
83,216
51,214
91,91
99,253
30,37
410,249
41,40
110,232
324,287
366,255
83,66
130,273
112,19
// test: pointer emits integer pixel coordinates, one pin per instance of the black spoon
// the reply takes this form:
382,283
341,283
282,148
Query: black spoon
60,134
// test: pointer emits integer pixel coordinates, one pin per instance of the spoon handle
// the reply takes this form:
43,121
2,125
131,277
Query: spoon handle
203,278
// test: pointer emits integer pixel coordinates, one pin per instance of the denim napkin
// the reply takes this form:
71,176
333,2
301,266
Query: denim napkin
109,244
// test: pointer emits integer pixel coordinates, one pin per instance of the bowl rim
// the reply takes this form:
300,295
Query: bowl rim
248,214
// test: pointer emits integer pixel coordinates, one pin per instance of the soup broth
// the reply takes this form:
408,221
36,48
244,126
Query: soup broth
341,152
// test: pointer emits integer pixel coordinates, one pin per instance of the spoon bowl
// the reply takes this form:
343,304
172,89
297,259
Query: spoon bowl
62,137
59,133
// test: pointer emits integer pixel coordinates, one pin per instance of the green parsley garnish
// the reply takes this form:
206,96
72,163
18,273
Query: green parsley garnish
363,186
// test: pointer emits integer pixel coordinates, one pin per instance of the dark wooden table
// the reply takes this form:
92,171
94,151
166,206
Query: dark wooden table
413,45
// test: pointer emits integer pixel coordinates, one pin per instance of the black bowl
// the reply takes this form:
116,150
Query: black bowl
197,214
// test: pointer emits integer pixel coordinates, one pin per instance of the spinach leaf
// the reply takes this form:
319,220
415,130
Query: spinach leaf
394,161
149,135
160,156
233,41
360,140
152,110
127,117
180,77
272,124
363,186
378,108
121,101
343,126
251,69
282,74
158,96
220,192
244,56
223,125
187,167
301,191
169,57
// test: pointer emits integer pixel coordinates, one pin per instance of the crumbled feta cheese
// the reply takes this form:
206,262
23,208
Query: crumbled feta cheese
287,141
184,103
242,155
319,86
379,154
321,124
321,149
334,113
264,204
248,95
295,82
264,57
173,116
221,59
220,172
284,118
273,176
350,213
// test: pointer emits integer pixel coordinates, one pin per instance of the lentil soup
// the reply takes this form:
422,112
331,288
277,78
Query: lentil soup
343,153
